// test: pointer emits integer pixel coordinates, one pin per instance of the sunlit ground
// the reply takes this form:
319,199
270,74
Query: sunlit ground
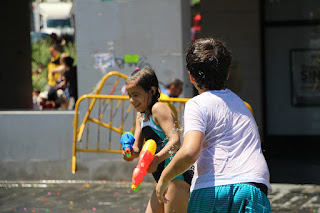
73,196
61,196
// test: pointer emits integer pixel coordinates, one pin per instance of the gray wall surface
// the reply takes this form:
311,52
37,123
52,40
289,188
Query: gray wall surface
156,31
37,145
238,24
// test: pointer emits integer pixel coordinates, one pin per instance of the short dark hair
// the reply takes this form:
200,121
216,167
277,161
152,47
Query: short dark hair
68,61
208,61
56,47
173,81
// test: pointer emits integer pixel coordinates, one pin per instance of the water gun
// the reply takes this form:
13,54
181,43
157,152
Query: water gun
127,141
145,158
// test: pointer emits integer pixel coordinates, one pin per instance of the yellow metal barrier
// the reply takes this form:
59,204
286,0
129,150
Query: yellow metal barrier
118,122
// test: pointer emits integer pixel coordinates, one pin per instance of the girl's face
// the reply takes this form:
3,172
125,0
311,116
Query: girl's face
139,98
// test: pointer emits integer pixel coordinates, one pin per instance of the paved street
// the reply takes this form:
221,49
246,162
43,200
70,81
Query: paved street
287,198
117,197
72,196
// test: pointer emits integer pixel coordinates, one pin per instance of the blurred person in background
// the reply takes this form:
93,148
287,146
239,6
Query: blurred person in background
60,69
58,41
173,88
53,63
68,81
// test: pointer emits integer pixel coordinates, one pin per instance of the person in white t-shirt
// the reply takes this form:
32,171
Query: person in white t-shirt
221,140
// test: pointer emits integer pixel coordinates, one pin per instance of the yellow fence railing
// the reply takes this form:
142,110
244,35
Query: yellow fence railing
108,116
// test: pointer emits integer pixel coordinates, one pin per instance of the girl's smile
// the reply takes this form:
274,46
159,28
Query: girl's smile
138,97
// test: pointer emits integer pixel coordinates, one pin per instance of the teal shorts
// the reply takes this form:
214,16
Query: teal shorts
232,198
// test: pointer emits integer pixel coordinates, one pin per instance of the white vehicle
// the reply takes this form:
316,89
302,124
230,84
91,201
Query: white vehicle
53,17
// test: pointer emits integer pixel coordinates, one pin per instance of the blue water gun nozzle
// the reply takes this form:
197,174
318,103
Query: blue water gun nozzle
127,141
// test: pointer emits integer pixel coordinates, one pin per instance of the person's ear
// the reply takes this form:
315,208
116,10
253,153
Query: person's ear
192,80
153,90
228,75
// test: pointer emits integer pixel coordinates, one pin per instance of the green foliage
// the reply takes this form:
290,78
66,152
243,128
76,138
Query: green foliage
70,48
40,53
40,59
194,2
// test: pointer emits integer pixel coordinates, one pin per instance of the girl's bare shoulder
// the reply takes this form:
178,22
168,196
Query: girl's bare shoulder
160,108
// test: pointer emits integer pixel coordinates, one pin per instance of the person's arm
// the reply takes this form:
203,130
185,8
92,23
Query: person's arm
62,83
59,69
183,160
137,146
163,116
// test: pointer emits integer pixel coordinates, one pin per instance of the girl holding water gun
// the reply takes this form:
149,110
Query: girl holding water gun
156,121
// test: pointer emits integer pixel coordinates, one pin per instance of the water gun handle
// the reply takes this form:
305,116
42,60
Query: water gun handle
146,157
127,141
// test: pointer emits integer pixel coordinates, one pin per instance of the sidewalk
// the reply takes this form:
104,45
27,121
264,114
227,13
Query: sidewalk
117,197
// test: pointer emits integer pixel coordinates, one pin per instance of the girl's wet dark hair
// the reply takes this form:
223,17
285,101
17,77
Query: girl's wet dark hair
208,61
146,78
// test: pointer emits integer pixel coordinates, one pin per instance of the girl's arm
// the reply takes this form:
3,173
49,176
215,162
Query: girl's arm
137,146
164,117
184,159
138,143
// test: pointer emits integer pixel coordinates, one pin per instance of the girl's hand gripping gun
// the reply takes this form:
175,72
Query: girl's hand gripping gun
127,141
145,158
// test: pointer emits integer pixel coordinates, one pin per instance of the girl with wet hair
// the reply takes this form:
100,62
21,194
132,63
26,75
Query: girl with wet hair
155,120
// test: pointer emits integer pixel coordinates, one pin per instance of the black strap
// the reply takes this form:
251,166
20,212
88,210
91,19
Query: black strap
260,186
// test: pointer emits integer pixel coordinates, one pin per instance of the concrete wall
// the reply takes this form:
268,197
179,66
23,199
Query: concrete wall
35,145
238,24
38,145
156,31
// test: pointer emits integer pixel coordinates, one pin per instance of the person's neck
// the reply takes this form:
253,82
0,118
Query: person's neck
168,92
147,115
205,89
202,90
55,57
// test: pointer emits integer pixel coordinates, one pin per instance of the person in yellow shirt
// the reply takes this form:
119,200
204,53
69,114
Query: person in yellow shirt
54,62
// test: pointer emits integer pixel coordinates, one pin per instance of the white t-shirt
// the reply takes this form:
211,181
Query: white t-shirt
231,151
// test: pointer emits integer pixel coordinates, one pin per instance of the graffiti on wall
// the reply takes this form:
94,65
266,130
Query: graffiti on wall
103,61
122,63
106,61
